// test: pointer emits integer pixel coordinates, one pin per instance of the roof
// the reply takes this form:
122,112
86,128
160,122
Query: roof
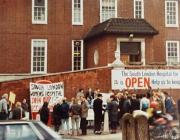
122,26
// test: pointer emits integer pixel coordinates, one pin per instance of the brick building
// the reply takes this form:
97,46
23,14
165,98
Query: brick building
40,37
48,36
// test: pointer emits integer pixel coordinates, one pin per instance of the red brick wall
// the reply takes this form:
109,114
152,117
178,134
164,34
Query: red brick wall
97,78
17,30
73,81
106,46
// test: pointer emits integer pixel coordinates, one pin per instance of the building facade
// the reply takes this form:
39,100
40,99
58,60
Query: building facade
48,36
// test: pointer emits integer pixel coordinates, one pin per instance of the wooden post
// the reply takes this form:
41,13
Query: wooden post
128,127
141,128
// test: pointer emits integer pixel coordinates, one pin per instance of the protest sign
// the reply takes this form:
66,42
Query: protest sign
40,93
12,97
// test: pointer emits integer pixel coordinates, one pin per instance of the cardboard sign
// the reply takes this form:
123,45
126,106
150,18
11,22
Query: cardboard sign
12,97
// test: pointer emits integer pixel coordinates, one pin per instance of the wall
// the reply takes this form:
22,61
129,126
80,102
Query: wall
17,30
106,46
73,81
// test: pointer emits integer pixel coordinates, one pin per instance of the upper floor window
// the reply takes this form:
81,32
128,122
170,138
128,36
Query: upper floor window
172,52
38,56
138,8
77,55
171,13
39,11
77,12
108,9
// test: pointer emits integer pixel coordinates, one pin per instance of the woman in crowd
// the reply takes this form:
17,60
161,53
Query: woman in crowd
44,113
113,113
18,112
75,111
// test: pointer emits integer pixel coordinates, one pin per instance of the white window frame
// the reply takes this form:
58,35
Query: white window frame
46,13
82,54
101,10
142,6
141,40
178,53
177,20
45,60
81,15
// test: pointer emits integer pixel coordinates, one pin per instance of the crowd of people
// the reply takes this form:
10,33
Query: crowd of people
119,103
19,112
76,111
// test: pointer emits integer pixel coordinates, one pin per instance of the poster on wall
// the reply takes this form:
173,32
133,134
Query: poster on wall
141,79
40,93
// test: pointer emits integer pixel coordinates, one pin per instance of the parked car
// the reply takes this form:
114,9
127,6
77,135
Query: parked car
26,130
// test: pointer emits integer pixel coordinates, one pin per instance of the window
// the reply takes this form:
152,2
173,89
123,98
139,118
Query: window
172,52
130,52
39,56
19,132
171,13
108,9
77,55
77,12
39,11
138,8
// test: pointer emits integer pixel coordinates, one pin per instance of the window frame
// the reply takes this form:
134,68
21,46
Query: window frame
81,14
82,54
142,6
45,55
178,53
101,10
46,13
177,9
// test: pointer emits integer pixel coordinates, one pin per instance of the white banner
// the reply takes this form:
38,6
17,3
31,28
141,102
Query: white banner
39,93
141,79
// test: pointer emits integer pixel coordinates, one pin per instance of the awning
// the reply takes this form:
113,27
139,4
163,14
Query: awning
123,27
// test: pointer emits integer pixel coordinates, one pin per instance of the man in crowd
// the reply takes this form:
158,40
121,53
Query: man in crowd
3,107
97,107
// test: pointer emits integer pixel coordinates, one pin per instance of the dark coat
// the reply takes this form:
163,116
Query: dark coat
97,107
44,115
64,110
122,111
127,106
57,114
135,105
113,111
18,114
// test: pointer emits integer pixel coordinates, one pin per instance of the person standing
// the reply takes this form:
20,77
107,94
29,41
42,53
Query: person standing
57,116
135,103
97,107
65,115
113,107
84,114
144,103
80,94
25,108
89,95
44,113
75,111
3,107
18,113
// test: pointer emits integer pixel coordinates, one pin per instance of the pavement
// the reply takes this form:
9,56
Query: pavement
92,136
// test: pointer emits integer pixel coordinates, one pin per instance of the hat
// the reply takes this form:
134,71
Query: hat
99,95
